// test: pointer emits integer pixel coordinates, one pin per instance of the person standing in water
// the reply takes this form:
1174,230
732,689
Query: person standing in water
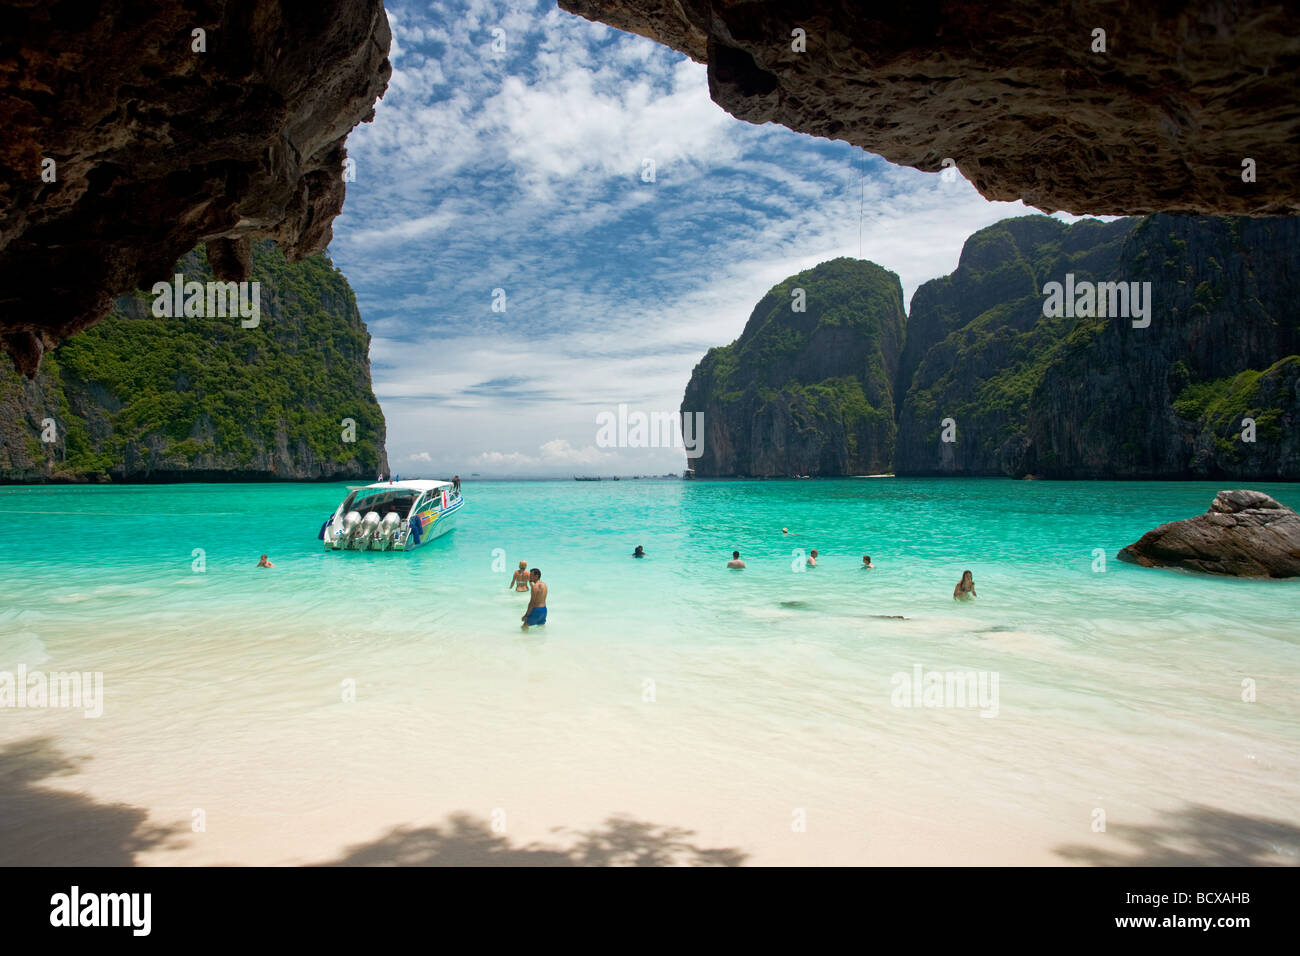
965,589
536,613
519,580
639,552
262,562
866,563
812,558
735,561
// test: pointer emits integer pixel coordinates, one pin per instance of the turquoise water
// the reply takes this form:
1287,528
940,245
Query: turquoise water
1119,687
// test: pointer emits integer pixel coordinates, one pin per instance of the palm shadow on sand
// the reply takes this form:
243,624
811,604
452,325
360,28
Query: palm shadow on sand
1194,836
466,841
41,826
45,826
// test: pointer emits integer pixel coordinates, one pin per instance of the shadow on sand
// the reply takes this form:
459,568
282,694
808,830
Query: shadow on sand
466,841
45,826
40,826
1194,836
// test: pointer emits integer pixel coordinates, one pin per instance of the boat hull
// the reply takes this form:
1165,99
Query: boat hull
428,524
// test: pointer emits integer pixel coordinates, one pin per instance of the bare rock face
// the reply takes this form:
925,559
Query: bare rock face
1245,533
157,145
1014,93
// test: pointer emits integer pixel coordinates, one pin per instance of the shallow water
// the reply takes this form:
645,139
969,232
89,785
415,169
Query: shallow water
758,709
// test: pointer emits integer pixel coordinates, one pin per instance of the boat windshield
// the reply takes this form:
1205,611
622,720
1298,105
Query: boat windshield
383,501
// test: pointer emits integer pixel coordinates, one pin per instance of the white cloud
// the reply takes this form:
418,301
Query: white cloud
556,456
522,172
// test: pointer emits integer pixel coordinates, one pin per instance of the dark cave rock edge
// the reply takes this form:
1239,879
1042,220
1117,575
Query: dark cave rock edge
1019,95
132,133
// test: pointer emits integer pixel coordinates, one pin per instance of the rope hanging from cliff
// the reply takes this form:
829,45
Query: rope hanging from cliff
862,186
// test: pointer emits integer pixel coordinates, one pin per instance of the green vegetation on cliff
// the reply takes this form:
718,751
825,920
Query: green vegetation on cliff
978,343
139,397
814,366
1206,385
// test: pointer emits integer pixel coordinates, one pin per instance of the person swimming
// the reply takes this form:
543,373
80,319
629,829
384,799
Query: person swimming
866,563
735,561
965,589
262,562
812,558
639,552
535,616
519,580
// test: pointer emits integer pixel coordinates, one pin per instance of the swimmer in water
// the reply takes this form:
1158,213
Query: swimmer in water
965,589
536,613
812,558
264,563
639,552
866,563
520,579
735,561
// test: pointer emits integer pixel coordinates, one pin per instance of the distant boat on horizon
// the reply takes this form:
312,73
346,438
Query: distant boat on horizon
585,478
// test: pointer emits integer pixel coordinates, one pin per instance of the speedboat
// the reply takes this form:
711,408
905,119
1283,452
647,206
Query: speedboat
392,516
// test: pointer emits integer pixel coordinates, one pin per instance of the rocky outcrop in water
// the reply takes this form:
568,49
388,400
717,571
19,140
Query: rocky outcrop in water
1245,533
1018,94
808,388
141,397
130,133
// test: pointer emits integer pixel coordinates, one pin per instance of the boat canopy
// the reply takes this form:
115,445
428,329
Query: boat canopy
398,496
415,484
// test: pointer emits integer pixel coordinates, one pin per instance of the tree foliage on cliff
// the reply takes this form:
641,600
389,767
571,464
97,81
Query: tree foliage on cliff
1095,397
139,397
806,391
1210,388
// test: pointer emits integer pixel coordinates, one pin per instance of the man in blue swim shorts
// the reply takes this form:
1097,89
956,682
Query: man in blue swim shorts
536,613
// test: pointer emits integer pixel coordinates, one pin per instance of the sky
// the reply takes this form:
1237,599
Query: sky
550,219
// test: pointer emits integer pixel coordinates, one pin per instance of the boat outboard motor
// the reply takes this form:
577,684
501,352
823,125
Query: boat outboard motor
369,525
351,522
388,529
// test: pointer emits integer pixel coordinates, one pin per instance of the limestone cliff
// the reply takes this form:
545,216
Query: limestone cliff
146,398
978,343
1200,378
1206,390
805,392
